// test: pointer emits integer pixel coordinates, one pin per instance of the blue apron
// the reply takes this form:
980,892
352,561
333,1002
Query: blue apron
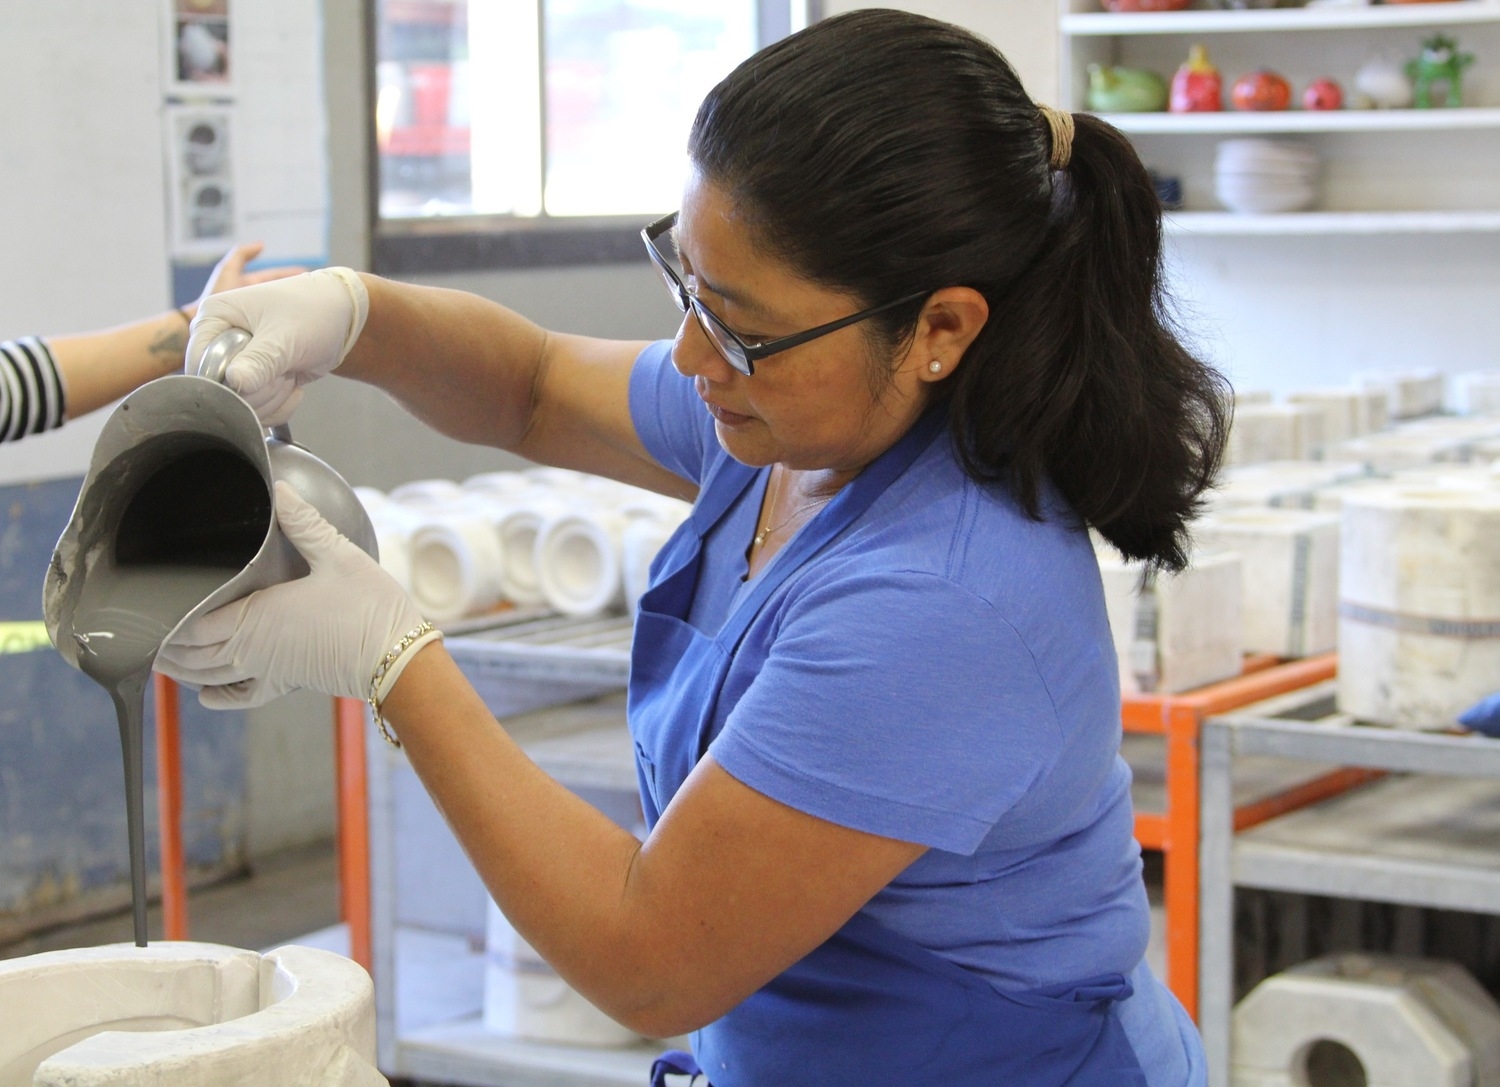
869,1006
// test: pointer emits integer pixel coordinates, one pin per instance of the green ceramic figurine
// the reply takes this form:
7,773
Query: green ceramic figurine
1440,65
1125,90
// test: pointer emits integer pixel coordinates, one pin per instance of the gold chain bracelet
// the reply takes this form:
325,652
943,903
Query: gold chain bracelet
423,633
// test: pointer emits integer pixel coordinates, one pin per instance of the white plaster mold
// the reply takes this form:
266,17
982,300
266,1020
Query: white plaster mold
524,997
1289,576
1419,629
1381,1020
186,1015
1173,632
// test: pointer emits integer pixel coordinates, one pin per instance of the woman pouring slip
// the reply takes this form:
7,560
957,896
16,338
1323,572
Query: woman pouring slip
873,692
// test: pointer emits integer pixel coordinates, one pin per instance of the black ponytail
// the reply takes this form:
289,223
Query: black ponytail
883,153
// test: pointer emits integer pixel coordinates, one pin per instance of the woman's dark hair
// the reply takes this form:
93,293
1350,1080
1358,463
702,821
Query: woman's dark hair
882,153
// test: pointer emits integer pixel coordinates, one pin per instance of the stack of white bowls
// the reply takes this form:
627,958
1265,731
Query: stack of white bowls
1262,176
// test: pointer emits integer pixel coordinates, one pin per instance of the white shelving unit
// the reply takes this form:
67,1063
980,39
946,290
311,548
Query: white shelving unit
1424,835
1403,171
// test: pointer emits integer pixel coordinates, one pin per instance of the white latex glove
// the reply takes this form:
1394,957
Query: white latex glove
302,328
327,631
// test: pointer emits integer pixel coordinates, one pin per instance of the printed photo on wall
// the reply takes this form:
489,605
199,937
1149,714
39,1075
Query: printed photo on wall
200,180
200,46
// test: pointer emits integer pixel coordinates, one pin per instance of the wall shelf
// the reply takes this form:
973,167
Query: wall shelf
1110,24
1232,123
1231,224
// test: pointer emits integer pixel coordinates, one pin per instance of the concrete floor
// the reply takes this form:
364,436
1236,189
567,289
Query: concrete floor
284,896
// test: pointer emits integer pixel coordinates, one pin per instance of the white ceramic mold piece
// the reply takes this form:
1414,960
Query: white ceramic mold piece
1393,450
1262,432
1246,397
516,525
1475,392
524,998
577,560
427,493
1381,1020
503,485
372,499
186,1015
1409,393
642,538
1419,588
1343,410
1289,576
1374,411
1285,484
455,564
1173,632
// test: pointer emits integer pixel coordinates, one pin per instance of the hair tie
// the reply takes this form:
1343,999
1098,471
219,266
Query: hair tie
1060,123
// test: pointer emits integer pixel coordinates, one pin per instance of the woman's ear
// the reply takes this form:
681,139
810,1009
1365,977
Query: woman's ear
947,325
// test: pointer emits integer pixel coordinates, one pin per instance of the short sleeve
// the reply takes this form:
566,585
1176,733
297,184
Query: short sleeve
668,415
900,704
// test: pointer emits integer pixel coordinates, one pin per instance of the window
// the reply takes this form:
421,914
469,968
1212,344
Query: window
513,115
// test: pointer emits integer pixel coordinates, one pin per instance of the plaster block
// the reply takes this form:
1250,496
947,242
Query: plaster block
1263,432
1284,484
1475,392
1409,393
524,997
1384,1020
1343,410
1289,576
1419,628
1173,632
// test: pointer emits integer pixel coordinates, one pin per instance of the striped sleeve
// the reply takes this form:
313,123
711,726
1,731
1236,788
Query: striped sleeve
32,398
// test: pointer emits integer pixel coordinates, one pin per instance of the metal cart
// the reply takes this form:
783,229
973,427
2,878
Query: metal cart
1424,830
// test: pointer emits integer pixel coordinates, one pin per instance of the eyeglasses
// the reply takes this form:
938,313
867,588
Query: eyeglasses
739,354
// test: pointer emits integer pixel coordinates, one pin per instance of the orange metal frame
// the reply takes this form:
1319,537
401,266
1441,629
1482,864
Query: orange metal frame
1179,718
352,792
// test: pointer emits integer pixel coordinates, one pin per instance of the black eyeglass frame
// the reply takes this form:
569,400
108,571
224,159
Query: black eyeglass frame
750,353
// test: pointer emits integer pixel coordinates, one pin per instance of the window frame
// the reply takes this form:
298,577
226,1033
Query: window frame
467,243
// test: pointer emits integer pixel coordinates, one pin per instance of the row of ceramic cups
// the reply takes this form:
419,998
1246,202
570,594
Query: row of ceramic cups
578,544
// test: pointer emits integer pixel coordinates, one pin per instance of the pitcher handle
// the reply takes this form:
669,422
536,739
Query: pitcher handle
215,361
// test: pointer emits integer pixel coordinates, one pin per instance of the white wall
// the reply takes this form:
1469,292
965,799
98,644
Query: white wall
1295,313
1024,30
82,190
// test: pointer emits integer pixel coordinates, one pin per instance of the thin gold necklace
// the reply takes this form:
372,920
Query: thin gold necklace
768,528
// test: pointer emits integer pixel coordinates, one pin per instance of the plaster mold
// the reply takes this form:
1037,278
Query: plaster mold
455,563
1263,432
1173,632
524,997
1476,392
186,1015
1345,411
1289,576
1419,628
1284,484
1409,393
1384,1020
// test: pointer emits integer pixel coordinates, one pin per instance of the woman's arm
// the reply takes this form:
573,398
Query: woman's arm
730,889
98,368
481,373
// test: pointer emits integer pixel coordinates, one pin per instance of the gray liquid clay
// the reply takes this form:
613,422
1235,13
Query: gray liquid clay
120,628
188,530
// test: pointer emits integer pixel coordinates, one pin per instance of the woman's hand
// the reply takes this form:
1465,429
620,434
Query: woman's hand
302,328
327,631
229,274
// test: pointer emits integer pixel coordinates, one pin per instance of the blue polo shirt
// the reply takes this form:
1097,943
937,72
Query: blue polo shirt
942,673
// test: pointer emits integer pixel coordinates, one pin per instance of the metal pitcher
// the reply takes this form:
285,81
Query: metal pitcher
182,476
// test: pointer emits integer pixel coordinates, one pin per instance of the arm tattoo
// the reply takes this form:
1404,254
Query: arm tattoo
168,348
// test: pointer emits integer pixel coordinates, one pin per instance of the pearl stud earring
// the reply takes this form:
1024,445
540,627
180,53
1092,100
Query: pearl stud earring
935,366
